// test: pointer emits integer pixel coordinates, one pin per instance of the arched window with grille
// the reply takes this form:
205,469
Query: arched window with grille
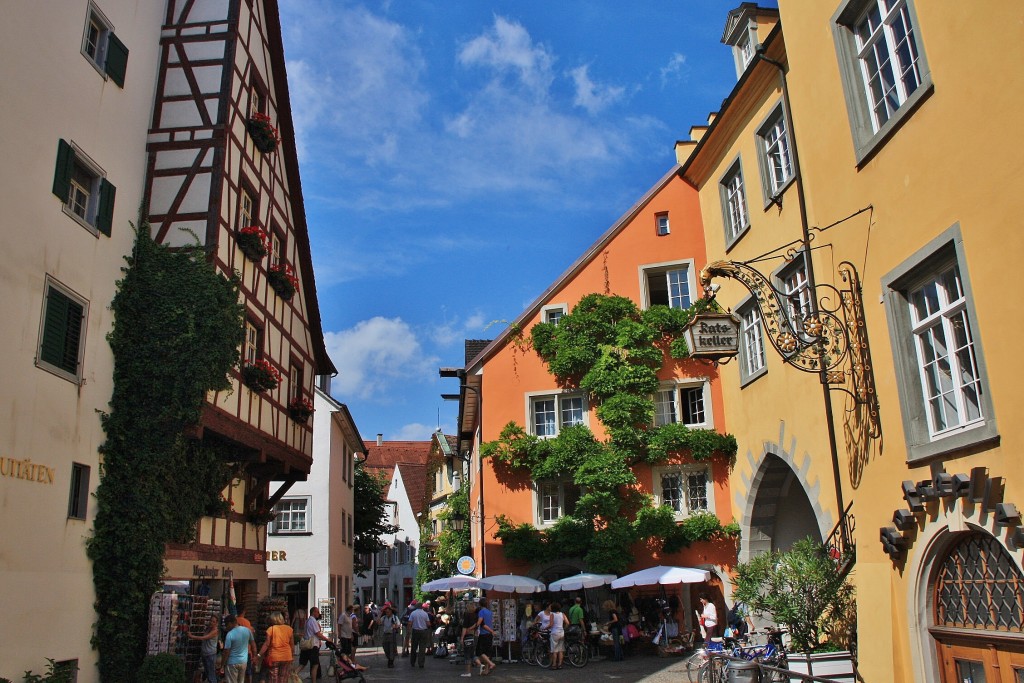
978,586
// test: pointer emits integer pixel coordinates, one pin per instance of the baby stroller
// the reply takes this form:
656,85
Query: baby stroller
342,666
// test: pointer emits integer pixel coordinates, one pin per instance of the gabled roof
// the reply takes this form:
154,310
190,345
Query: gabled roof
411,458
589,255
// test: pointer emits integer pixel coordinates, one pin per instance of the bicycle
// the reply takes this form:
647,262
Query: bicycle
698,661
537,648
577,653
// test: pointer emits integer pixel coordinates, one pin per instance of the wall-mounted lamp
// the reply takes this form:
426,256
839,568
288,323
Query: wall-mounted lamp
457,521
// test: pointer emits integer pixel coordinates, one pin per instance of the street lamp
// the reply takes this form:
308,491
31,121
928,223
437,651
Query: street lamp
457,521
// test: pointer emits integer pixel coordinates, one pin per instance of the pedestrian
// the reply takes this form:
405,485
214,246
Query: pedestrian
406,630
615,629
468,639
298,624
577,618
485,637
309,646
357,627
543,619
557,635
344,643
243,621
368,625
709,616
390,629
208,649
238,643
277,651
420,622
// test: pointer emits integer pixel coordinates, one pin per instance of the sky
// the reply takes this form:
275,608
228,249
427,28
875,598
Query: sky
457,156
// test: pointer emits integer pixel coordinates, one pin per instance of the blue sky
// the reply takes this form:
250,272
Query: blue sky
458,156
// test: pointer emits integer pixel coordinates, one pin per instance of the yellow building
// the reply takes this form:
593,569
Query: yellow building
883,135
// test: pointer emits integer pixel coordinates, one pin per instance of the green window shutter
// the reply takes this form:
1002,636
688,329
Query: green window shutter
62,332
105,216
117,60
62,174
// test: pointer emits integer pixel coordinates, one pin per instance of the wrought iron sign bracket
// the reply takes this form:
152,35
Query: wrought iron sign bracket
830,339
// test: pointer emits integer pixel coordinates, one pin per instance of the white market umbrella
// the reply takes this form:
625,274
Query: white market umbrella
663,575
582,580
456,582
511,583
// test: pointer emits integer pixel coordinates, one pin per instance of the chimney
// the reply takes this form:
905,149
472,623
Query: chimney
380,439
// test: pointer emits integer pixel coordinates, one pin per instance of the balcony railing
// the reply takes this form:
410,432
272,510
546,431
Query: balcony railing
841,544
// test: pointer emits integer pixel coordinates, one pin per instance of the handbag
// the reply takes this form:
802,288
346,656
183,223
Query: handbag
293,677
308,643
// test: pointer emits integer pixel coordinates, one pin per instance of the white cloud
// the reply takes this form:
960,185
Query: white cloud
375,356
508,48
413,432
457,330
675,70
591,96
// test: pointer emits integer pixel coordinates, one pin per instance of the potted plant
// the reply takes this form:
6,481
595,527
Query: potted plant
253,241
804,590
263,133
283,281
260,376
300,408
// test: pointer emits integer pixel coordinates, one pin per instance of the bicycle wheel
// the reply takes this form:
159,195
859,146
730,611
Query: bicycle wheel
778,662
577,655
694,664
713,671
544,656
529,648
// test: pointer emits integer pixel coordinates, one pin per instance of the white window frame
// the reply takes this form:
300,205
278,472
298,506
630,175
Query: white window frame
75,377
775,155
95,174
557,397
251,347
539,495
924,439
684,471
867,129
662,226
792,279
753,356
95,18
247,210
735,214
307,511
552,313
653,270
678,391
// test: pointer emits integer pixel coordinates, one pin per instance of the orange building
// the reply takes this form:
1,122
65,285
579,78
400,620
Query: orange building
651,255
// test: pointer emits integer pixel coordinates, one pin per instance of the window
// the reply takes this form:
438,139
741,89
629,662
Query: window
78,500
102,48
62,332
775,157
552,412
685,404
939,361
734,204
253,342
794,285
553,313
661,224
752,357
555,499
276,246
882,65
297,376
246,208
78,182
684,488
667,285
291,516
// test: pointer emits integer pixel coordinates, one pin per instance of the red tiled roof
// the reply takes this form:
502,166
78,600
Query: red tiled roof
411,458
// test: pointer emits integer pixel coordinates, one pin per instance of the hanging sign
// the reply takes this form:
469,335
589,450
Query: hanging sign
466,565
713,336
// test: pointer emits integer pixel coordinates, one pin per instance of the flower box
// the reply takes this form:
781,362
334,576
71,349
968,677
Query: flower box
283,281
300,409
264,135
260,376
254,242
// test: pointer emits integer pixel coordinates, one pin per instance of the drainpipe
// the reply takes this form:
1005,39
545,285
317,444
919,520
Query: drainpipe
812,285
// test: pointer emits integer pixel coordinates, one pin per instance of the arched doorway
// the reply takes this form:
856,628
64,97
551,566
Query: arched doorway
781,513
977,611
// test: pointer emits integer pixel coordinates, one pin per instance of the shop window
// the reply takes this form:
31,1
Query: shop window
882,67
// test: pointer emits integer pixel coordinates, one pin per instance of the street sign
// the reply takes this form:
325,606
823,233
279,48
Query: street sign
466,565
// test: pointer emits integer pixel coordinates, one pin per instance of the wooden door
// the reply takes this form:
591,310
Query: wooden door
988,664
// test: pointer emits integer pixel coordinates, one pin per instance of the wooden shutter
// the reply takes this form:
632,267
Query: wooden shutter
62,332
62,174
105,215
117,60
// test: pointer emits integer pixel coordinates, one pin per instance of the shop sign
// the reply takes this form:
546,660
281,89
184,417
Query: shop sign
208,572
383,572
713,336
466,565
278,555
26,470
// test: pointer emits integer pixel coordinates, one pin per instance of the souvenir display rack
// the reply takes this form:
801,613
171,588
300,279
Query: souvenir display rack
172,617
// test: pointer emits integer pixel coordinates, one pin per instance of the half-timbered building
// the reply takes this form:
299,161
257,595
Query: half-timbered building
223,171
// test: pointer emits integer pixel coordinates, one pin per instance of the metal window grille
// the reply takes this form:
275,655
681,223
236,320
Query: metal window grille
979,586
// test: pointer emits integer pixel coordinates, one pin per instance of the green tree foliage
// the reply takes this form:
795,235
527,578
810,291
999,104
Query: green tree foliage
178,326
801,588
612,351
369,525
451,544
